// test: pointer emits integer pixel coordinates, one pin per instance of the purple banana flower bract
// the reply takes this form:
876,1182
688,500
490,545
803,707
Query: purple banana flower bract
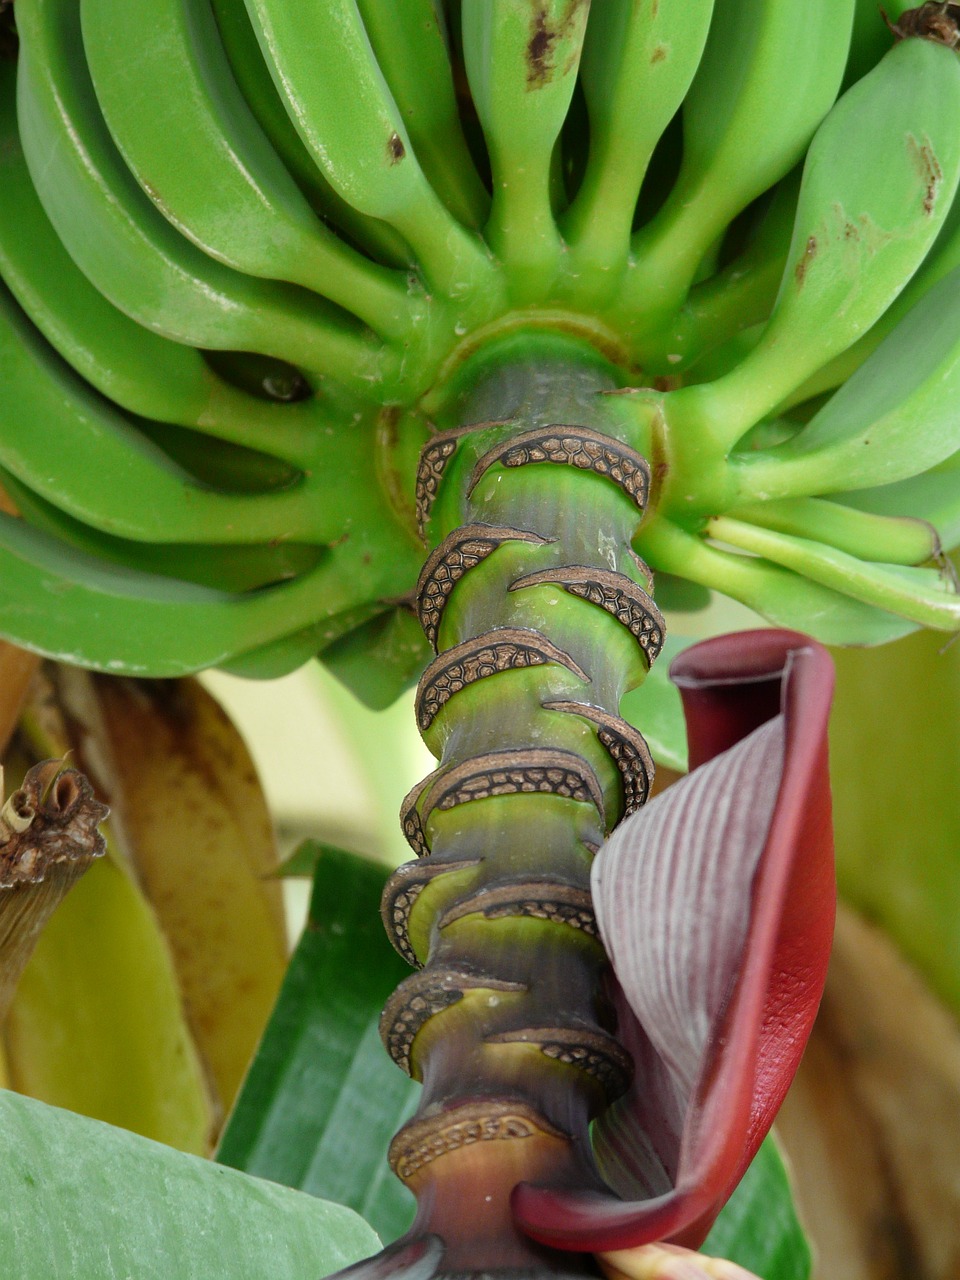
716,906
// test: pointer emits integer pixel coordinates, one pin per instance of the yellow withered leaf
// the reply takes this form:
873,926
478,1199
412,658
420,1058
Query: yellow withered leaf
190,816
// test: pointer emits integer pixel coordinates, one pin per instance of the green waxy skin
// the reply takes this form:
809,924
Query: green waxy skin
521,703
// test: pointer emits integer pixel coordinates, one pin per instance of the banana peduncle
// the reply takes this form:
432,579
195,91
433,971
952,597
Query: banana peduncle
542,618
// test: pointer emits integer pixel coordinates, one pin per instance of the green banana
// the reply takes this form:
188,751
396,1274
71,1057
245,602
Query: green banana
129,251
410,48
358,138
137,369
866,434
260,93
60,601
521,62
878,182
638,61
225,568
934,497
228,191
926,596
784,597
943,258
767,77
885,539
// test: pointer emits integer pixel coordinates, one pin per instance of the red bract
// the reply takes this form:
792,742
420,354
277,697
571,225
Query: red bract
716,905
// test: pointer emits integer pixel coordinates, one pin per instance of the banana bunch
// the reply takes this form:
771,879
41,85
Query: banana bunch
252,250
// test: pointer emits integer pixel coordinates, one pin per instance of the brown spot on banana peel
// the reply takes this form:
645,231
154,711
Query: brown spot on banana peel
538,50
395,148
928,167
862,232
809,253
544,35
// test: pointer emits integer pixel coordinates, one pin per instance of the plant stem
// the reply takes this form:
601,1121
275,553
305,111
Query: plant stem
541,615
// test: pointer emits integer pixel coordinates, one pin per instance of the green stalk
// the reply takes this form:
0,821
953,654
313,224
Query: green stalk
541,616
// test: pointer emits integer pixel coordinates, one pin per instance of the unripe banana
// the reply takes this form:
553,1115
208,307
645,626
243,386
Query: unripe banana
227,191
927,597
934,497
943,258
357,135
521,62
110,618
261,96
876,538
878,182
866,434
409,44
767,78
128,250
638,61
785,597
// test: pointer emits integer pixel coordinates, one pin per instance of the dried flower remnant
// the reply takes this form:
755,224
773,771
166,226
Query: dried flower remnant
936,20
48,837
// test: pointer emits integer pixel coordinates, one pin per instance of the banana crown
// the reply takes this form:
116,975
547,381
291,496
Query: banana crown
252,262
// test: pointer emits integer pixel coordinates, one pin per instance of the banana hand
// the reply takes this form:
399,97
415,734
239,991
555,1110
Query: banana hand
763,85
228,191
878,183
129,251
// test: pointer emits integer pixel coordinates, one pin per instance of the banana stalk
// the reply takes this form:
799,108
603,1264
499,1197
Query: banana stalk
541,616
539,631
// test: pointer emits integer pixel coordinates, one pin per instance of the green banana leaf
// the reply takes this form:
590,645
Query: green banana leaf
83,1199
758,1228
322,1099
321,1079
